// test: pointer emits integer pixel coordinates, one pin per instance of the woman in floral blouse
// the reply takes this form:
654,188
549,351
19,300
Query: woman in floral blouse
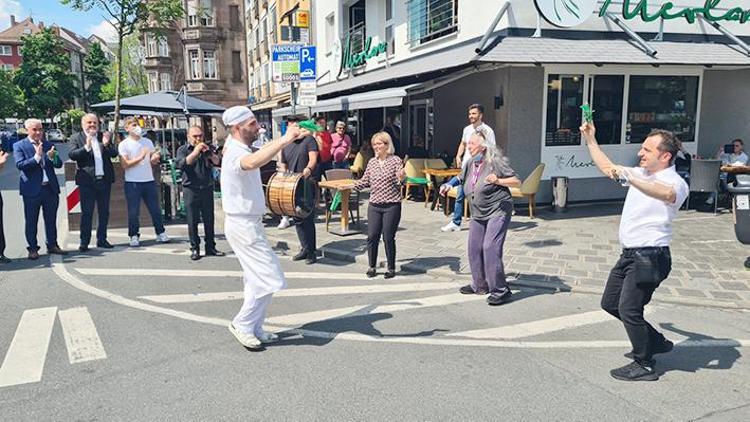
383,175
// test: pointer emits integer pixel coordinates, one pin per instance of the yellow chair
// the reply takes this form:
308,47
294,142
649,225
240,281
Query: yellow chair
529,188
448,209
360,163
415,176
433,163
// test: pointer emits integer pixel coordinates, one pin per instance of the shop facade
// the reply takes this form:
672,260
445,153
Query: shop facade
639,67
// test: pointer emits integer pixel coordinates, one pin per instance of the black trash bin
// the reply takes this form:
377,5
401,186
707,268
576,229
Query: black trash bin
740,191
560,193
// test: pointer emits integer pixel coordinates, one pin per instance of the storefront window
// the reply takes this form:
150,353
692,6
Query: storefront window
564,98
662,102
608,91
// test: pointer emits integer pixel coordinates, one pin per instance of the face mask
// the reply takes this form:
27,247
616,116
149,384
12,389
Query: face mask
477,158
136,131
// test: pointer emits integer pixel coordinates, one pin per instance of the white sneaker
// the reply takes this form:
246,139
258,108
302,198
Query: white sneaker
162,237
134,242
266,337
284,224
247,340
450,227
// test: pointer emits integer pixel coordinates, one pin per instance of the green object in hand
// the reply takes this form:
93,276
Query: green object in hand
588,113
310,125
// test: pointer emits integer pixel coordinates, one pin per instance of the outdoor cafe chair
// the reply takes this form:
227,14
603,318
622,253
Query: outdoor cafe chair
704,178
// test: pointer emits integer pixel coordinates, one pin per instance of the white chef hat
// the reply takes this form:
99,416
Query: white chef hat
236,115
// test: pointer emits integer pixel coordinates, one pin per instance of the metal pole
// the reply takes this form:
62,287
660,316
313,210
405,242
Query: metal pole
294,98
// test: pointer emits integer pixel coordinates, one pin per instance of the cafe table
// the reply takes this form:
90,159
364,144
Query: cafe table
735,169
434,175
339,185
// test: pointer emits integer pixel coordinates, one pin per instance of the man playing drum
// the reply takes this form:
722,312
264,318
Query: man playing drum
244,205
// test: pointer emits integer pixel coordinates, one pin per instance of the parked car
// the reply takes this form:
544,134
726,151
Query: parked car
55,135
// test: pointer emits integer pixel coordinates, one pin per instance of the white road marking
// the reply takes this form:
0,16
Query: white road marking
426,302
542,326
714,241
24,361
81,337
58,267
318,291
153,272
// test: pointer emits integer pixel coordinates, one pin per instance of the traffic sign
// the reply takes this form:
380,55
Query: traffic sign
285,60
307,64
307,95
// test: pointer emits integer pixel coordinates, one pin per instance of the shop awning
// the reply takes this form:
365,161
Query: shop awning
389,97
620,51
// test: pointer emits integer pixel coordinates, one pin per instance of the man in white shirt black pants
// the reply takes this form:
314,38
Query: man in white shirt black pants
93,154
655,195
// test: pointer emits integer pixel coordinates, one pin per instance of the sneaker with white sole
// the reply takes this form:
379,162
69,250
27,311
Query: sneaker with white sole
134,241
265,337
162,237
247,340
450,227
284,224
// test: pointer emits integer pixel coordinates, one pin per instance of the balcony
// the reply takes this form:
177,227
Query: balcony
430,19
264,47
356,36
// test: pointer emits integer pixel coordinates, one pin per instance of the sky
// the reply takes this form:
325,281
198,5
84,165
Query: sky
51,11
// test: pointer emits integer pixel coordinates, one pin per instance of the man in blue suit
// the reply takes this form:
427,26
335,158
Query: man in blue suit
37,160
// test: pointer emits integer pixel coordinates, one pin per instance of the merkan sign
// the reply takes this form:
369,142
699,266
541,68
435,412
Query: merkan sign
350,61
568,13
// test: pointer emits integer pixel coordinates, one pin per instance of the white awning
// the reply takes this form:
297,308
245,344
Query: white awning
389,97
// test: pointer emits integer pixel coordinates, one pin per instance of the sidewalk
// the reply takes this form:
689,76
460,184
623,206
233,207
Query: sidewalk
573,251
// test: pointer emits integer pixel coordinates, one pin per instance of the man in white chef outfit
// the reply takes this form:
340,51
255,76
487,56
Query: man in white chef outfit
244,205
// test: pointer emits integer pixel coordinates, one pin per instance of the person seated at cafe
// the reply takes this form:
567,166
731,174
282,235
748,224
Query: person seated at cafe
682,164
737,157
417,150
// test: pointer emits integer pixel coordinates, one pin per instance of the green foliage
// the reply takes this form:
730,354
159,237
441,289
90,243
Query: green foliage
12,99
95,68
70,120
44,76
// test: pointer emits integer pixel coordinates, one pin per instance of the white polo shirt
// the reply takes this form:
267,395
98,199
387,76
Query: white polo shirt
470,130
647,221
131,148
241,190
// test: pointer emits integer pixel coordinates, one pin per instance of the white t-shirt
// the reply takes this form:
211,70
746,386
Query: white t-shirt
470,130
241,190
735,159
647,221
130,148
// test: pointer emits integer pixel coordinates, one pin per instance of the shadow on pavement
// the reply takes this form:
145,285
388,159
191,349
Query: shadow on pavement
691,359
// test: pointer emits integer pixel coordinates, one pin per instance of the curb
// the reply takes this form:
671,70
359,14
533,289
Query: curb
347,256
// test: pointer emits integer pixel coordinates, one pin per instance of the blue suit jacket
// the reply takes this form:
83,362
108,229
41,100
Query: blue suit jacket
31,170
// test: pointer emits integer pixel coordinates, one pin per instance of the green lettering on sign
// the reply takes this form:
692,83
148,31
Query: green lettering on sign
668,11
350,61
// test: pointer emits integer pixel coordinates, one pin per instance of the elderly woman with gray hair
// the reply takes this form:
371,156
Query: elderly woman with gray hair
487,179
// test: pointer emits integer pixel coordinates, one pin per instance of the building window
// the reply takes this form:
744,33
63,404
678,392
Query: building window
664,102
236,66
6,66
195,64
234,18
607,99
431,19
166,82
209,64
6,50
151,45
153,82
330,32
273,34
564,98
391,49
200,12
163,47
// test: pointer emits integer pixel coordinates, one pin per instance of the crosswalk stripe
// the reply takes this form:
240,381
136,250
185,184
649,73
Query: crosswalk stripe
80,335
24,361
144,272
542,326
318,291
425,302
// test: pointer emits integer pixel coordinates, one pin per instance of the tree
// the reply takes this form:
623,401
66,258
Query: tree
95,67
126,16
12,100
70,120
44,76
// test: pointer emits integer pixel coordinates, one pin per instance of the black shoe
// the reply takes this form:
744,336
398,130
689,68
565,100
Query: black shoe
56,250
498,298
83,248
195,255
372,272
33,255
635,371
300,256
747,263
390,274
104,244
468,290
4,259
311,258
214,252
665,347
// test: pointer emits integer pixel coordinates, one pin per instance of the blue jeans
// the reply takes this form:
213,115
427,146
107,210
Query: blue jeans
458,210
134,192
341,164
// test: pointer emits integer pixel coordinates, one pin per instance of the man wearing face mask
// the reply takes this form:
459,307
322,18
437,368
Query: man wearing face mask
93,153
137,155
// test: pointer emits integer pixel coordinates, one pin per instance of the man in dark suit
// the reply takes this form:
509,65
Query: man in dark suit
93,153
3,259
37,160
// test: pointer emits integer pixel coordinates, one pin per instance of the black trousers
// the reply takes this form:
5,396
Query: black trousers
306,232
95,195
629,288
2,231
199,204
382,219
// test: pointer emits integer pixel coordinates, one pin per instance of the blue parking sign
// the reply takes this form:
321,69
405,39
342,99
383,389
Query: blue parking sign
307,68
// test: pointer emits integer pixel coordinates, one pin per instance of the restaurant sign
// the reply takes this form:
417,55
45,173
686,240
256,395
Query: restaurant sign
351,60
569,13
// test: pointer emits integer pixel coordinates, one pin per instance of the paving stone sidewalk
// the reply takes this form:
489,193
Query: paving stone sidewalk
572,251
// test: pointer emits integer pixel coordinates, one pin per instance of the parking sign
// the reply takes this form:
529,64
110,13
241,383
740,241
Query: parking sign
285,62
307,67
